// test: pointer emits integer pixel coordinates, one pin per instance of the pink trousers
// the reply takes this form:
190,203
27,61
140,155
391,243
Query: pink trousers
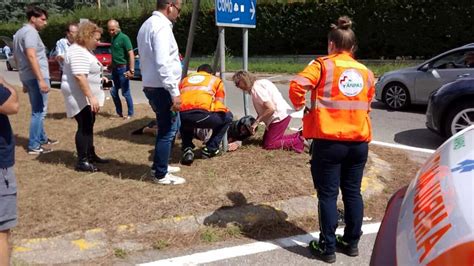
274,137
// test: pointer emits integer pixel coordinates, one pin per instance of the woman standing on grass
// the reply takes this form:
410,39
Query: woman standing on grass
272,109
81,87
338,121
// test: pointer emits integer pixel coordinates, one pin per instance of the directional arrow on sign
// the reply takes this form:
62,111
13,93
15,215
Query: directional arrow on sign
252,10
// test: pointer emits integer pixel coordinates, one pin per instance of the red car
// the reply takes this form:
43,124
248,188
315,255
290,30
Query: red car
102,52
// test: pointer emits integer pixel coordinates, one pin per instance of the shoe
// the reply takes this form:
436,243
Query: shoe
171,170
93,158
206,153
169,179
344,247
85,166
127,117
188,156
39,150
319,253
50,142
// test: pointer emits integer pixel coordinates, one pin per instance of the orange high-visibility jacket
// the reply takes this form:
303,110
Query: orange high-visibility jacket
341,92
203,91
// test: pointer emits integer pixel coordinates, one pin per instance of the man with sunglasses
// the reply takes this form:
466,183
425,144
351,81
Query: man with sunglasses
161,73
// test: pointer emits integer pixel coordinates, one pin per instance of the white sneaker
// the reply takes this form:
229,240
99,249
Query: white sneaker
170,179
171,170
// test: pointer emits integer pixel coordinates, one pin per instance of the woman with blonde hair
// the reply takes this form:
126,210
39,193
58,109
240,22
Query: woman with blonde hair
83,95
272,109
338,121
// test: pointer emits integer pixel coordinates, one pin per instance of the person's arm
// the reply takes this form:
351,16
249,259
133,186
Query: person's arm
268,111
303,82
10,106
131,58
220,92
60,51
80,67
35,67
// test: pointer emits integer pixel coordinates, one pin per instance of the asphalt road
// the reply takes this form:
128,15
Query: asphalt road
405,127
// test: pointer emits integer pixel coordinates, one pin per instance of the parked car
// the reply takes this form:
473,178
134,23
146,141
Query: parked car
431,222
138,73
451,108
413,85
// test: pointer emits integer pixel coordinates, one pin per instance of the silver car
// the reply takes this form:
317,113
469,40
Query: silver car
413,85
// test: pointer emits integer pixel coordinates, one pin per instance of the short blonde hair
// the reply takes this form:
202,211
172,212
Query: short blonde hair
86,32
244,76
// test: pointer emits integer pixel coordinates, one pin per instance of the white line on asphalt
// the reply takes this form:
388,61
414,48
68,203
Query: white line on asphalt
403,147
252,248
277,76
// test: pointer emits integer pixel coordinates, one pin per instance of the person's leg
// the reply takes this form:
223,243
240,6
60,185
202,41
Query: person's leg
188,123
351,179
220,122
168,124
4,247
84,139
274,137
125,85
38,113
326,170
44,137
114,92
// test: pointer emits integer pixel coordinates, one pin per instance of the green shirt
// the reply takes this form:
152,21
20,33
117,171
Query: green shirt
121,44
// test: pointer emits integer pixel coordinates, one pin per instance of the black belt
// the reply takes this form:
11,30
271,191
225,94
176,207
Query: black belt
120,65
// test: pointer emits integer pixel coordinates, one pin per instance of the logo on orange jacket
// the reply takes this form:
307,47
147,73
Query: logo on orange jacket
351,82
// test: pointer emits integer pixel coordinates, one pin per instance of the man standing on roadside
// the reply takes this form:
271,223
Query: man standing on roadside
123,67
161,74
7,51
64,43
30,54
8,216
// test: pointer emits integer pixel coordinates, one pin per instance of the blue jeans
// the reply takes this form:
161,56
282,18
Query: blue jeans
121,82
39,107
337,164
219,122
168,124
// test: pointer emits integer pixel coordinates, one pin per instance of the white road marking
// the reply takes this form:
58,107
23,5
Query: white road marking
277,76
402,147
252,248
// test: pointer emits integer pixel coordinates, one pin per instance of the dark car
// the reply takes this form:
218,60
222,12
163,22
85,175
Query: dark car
431,222
451,107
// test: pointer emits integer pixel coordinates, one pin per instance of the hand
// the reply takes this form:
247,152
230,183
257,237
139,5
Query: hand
176,103
128,74
253,128
44,87
94,104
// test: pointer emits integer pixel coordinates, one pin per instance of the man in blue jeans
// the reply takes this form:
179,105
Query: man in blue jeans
123,67
8,203
161,74
30,54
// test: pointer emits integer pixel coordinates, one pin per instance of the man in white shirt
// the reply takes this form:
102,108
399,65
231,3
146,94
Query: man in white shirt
7,51
65,42
161,73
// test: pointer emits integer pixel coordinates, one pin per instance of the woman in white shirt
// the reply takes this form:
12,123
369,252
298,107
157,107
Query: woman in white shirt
83,95
272,109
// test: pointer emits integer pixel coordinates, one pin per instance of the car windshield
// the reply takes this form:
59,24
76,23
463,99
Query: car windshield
102,50
454,60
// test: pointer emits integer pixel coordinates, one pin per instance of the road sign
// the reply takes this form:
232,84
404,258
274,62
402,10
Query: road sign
236,13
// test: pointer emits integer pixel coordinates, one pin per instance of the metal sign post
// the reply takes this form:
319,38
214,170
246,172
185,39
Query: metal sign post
222,71
241,14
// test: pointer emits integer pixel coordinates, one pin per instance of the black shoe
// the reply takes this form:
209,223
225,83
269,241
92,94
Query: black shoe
188,156
93,158
85,166
344,247
207,153
319,253
50,142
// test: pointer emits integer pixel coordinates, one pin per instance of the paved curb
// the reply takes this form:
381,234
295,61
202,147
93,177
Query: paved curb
98,243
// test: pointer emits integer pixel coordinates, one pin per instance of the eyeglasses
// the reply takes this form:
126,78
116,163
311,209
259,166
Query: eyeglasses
237,83
177,8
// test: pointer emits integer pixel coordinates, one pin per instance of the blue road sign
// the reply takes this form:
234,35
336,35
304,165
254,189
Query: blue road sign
236,13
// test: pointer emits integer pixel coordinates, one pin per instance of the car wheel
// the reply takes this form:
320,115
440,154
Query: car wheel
396,96
9,67
459,118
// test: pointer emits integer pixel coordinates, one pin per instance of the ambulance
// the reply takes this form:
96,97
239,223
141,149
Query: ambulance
431,221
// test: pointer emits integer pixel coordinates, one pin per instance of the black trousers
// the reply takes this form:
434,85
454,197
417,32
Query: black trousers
84,134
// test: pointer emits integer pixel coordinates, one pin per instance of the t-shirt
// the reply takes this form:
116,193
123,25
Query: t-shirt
121,44
79,60
61,47
263,91
7,141
28,37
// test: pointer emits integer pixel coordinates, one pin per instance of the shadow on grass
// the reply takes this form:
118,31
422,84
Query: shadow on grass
256,221
115,168
56,116
124,132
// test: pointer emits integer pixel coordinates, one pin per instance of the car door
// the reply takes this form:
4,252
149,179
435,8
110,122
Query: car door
53,65
443,70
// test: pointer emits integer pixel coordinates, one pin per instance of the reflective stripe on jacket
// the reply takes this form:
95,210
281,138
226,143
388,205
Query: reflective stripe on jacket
203,91
341,92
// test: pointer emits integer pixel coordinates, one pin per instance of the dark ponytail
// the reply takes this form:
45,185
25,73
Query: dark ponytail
342,35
